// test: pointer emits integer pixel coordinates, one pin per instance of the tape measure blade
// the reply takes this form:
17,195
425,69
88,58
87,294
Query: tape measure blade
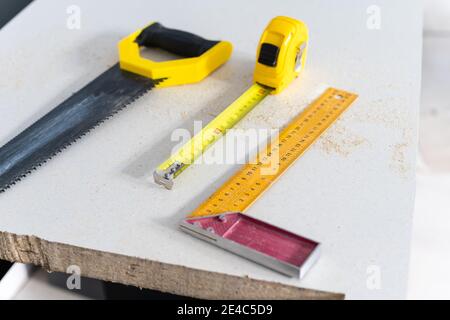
248,184
226,120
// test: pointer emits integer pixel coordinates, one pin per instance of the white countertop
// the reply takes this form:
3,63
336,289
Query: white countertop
353,191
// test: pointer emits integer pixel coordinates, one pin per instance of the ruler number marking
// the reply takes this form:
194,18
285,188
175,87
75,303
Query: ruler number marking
245,187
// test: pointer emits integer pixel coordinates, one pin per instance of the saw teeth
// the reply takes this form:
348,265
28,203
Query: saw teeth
40,163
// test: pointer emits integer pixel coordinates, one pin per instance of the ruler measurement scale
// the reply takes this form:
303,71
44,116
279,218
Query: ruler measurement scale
239,193
220,219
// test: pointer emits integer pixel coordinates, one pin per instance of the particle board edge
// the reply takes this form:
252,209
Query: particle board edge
149,274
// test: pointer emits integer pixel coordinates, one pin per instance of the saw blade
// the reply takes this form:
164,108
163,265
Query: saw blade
99,100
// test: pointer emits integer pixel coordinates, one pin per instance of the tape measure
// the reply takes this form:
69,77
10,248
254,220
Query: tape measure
220,220
281,56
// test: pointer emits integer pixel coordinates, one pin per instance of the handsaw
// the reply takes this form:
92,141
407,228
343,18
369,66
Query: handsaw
109,93
281,55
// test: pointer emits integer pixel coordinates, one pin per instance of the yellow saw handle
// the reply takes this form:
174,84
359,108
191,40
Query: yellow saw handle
201,56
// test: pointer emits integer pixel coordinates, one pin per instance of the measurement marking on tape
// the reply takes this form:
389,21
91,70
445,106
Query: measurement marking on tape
226,120
242,190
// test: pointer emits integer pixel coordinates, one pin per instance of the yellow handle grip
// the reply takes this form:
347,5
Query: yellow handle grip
203,56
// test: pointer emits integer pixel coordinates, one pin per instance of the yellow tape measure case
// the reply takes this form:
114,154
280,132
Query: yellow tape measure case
282,53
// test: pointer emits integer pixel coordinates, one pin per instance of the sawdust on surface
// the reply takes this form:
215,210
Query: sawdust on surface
400,162
281,111
392,118
398,159
339,140
376,112
184,115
